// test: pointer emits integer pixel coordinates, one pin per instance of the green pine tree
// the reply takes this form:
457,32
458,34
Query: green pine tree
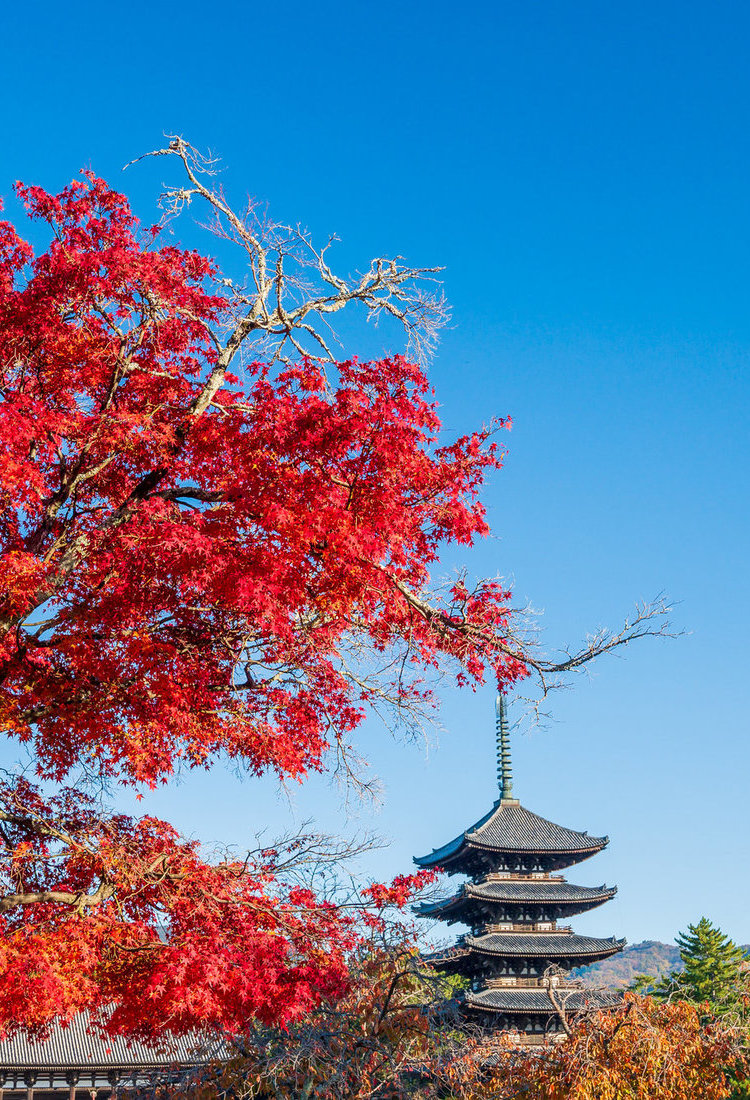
712,963
712,971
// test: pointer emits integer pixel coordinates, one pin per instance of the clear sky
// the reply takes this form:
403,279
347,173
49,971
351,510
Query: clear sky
581,170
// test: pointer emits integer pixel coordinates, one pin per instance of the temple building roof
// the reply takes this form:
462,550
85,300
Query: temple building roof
510,828
539,1001
546,944
543,945
75,1047
543,892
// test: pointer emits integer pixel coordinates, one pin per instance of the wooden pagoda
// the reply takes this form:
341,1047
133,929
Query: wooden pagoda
517,956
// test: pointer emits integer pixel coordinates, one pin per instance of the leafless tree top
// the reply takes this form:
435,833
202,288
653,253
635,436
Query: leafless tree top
284,306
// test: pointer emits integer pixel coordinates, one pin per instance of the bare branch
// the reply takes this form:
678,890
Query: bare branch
649,620
290,287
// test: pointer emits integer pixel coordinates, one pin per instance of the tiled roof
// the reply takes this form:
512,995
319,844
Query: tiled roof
538,1000
514,828
73,1047
509,827
547,944
544,890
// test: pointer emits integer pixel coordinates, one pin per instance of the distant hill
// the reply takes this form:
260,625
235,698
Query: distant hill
648,957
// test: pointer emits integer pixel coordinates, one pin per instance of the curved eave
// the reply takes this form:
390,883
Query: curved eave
513,827
539,1002
451,857
539,892
510,829
453,847
439,856
471,897
578,853
468,951
554,945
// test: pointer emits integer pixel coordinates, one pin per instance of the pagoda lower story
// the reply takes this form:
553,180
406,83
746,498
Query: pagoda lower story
517,956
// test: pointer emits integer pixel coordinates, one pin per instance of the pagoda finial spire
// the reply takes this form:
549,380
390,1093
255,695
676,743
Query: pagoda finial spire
504,766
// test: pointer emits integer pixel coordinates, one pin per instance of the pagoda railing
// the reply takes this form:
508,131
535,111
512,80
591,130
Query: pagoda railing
517,983
522,876
529,926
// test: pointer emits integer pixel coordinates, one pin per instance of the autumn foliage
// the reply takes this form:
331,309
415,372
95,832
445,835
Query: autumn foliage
185,557
388,1038
375,1041
197,562
646,1050
209,554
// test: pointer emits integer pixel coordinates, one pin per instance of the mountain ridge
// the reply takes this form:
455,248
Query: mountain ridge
647,957
617,972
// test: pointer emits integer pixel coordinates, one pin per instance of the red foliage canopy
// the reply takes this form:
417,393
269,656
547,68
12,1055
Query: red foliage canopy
124,913
191,565
194,564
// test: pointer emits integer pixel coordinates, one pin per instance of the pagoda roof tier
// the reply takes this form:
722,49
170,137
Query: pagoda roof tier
572,899
539,1001
550,945
554,946
510,829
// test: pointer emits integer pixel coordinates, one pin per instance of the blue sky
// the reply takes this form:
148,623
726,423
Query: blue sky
581,170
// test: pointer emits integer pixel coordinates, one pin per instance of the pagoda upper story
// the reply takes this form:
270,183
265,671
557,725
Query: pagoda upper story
513,839
516,951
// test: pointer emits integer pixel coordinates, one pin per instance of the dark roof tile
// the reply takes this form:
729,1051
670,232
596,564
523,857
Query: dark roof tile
509,827
74,1047
548,944
514,828
538,1000
543,890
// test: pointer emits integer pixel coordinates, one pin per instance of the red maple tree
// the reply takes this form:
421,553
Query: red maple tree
201,556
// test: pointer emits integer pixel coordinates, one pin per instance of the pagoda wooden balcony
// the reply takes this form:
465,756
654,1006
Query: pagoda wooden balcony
529,1039
509,982
519,876
546,926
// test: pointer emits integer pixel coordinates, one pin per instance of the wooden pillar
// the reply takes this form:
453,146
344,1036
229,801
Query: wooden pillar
71,1076
29,1080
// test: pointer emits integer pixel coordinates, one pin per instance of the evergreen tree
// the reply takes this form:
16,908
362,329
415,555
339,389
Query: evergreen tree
712,971
712,963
